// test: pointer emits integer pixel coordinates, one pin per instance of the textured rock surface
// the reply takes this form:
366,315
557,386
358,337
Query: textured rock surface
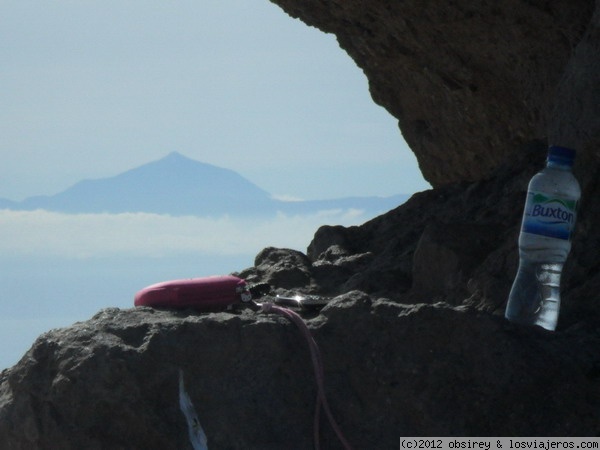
469,81
414,342
391,370
575,121
456,244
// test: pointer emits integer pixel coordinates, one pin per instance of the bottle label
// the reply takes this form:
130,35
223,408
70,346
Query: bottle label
549,216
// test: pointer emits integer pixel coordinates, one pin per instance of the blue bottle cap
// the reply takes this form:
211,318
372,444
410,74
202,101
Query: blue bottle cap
561,155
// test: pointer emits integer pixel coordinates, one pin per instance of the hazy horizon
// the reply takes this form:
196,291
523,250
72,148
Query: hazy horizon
183,156
59,268
95,88
98,87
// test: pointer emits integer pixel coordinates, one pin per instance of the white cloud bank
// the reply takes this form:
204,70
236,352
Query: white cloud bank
44,233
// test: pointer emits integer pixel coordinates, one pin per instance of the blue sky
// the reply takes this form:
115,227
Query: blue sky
92,88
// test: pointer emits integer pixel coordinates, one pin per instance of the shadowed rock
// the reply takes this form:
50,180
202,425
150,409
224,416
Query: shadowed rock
414,342
391,370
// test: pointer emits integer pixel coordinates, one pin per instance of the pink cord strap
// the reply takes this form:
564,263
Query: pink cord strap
319,372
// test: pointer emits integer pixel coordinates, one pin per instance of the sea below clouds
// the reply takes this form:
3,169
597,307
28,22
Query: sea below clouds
57,268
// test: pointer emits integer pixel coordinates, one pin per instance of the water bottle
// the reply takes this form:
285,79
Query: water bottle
545,241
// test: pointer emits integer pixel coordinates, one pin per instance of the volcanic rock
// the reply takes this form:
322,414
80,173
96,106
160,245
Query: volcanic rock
470,82
413,339
390,370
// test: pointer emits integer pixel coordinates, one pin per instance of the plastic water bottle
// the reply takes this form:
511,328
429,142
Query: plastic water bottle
545,241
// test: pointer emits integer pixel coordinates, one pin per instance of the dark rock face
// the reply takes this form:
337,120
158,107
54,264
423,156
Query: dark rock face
456,244
398,361
469,81
391,370
414,342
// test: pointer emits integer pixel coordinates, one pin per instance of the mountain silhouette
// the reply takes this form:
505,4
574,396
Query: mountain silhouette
178,185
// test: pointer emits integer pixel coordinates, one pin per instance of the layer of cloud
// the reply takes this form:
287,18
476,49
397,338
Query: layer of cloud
44,233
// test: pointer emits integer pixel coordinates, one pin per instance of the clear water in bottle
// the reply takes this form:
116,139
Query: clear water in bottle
535,295
544,242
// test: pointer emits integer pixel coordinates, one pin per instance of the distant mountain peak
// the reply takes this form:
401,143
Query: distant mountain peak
179,167
177,163
176,156
178,185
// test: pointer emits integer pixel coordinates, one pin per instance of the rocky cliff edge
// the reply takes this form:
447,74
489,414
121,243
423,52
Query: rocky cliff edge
413,342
